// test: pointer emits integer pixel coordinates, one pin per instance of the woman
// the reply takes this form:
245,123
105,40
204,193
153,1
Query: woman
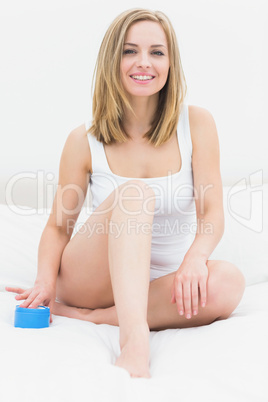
153,166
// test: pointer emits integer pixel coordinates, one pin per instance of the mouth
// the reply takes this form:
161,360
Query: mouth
142,78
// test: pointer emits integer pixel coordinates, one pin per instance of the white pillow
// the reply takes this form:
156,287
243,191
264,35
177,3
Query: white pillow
245,241
19,239
245,238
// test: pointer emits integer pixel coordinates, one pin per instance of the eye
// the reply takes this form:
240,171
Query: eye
158,53
129,51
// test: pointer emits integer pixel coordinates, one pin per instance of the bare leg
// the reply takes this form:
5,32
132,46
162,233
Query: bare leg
224,279
100,269
129,263
84,281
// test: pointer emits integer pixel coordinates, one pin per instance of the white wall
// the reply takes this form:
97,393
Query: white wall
48,52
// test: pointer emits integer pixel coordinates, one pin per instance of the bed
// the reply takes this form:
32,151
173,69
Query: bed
73,360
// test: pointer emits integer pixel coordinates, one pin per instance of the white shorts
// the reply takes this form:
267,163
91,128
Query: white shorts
158,271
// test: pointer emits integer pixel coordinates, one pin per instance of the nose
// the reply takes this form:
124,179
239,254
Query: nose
143,60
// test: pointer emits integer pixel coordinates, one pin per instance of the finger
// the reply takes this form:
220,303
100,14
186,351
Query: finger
203,292
187,299
23,295
195,297
14,290
51,307
29,300
179,298
36,301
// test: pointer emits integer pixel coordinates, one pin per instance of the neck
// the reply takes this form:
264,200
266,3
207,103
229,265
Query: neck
137,125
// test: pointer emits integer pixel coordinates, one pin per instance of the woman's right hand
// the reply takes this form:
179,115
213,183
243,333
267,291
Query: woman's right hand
41,294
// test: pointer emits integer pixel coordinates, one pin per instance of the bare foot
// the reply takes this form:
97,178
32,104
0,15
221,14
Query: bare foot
135,348
135,353
72,312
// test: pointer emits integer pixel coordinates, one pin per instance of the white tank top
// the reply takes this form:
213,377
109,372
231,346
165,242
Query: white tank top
174,224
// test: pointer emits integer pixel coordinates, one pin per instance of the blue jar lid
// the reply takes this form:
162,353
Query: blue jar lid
32,317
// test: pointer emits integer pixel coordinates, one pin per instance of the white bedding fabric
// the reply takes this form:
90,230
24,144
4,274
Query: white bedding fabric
73,360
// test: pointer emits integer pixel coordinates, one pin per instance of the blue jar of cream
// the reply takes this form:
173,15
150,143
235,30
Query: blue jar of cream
32,317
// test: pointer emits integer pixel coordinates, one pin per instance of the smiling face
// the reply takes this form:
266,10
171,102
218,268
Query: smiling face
145,61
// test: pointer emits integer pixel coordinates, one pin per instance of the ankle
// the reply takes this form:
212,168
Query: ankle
140,331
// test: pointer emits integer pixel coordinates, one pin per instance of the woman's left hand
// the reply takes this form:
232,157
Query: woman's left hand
191,275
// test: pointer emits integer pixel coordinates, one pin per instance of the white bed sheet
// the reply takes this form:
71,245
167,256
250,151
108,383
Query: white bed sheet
73,360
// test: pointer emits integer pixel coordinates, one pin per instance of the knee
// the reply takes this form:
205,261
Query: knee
137,195
137,187
227,288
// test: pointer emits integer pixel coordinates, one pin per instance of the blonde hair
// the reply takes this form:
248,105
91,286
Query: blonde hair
109,98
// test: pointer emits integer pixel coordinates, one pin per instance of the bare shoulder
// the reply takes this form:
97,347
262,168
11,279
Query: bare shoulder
206,162
199,115
78,144
202,124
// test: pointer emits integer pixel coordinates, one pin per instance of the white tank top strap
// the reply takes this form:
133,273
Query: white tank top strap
184,133
98,159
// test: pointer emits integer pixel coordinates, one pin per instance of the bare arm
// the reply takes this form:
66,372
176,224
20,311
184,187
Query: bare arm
193,272
51,246
207,184
74,172
68,201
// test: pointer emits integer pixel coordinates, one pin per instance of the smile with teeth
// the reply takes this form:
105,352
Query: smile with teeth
142,77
